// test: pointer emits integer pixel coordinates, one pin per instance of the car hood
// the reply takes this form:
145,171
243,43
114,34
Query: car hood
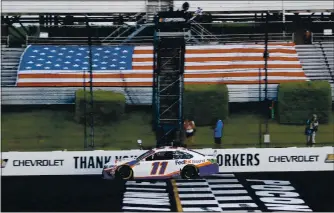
129,161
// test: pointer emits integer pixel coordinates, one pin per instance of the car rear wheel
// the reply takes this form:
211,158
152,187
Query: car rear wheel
189,172
124,172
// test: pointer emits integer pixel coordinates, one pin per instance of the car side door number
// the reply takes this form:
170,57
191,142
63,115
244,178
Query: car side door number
157,165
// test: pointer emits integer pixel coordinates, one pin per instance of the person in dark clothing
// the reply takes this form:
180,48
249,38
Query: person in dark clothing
218,132
310,130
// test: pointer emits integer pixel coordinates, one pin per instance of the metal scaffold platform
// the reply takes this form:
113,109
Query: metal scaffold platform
169,53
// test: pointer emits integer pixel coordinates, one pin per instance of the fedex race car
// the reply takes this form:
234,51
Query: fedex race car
163,163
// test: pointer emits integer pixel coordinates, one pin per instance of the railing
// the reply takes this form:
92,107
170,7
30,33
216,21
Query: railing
5,41
138,40
84,40
237,38
320,37
326,60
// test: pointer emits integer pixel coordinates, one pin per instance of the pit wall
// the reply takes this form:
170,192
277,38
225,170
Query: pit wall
229,160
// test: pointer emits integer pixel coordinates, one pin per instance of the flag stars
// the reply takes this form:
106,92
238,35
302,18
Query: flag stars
75,58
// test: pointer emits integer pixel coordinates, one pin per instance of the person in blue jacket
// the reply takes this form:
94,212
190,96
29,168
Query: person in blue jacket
218,132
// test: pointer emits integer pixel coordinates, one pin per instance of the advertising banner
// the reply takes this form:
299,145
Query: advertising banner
61,163
229,160
275,159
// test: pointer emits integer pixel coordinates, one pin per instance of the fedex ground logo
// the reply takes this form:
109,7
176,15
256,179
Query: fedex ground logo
182,162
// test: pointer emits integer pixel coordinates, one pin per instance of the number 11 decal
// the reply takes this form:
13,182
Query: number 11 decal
155,166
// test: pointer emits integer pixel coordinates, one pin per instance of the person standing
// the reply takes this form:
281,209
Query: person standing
218,132
312,125
189,128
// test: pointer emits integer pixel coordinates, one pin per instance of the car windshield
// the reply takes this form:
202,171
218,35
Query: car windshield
146,154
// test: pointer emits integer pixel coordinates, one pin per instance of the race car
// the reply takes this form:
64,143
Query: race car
163,163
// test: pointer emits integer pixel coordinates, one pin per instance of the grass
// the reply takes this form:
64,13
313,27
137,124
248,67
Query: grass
44,130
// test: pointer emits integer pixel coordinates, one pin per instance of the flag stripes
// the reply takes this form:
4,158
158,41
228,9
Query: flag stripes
132,66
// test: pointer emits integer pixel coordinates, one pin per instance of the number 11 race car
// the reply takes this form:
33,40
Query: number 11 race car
163,163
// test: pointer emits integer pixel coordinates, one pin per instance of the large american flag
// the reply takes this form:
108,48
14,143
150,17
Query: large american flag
45,65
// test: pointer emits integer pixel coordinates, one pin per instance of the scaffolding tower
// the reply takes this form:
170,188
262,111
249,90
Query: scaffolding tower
169,51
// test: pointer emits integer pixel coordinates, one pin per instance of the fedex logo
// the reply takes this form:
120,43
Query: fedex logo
182,162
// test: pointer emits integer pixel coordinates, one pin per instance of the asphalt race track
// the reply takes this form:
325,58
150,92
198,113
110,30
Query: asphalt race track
288,191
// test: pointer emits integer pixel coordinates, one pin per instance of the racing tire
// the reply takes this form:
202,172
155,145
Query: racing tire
124,172
189,172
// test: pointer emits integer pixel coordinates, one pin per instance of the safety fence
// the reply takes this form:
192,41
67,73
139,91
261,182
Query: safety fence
145,40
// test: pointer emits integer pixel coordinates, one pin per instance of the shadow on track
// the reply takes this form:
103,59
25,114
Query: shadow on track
60,193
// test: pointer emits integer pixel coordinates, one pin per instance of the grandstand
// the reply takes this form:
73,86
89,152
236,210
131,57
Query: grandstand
56,84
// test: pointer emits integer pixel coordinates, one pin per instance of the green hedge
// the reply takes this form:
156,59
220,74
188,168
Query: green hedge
203,103
298,101
108,106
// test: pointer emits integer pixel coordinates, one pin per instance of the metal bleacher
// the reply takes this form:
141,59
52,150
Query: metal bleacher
10,58
313,62
317,60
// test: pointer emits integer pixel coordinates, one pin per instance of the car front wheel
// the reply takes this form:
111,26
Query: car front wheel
124,172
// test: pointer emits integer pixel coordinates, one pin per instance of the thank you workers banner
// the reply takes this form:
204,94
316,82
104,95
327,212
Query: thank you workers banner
229,160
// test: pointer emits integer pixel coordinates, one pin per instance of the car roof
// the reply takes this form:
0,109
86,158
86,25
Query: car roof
170,148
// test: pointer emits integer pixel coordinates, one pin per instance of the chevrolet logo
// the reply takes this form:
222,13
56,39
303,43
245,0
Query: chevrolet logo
329,158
